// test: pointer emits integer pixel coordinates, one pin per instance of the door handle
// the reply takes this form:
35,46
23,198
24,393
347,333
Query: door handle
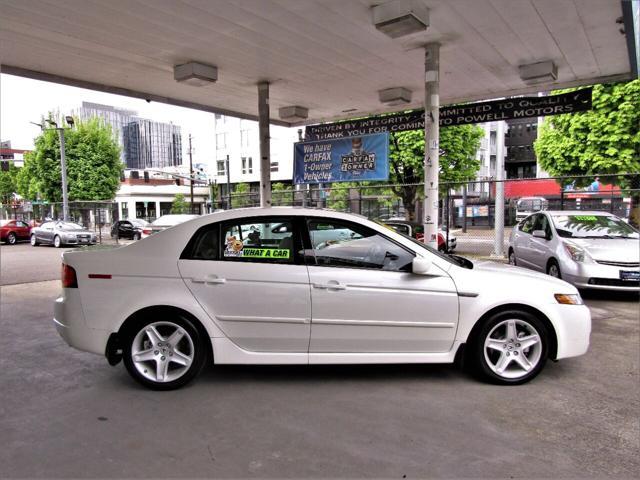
330,286
209,280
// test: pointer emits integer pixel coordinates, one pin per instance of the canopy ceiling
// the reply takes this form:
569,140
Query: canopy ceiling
325,55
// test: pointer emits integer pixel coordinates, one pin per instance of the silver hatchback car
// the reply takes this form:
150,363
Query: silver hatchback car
587,249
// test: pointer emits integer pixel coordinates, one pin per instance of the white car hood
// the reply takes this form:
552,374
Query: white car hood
509,282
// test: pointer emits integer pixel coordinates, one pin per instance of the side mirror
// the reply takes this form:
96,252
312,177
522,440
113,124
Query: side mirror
421,266
539,234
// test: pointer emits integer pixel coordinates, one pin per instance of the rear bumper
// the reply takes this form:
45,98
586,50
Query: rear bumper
68,319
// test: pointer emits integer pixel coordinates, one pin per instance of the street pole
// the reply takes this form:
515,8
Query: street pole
431,144
63,167
228,185
190,174
498,246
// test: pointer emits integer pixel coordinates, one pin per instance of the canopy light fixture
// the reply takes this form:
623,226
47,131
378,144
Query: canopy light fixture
196,74
539,72
399,18
294,113
395,96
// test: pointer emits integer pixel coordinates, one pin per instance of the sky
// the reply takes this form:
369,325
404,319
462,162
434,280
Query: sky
23,100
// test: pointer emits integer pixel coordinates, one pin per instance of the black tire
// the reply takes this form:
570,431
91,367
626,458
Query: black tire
512,257
11,238
34,240
483,360
57,241
552,268
136,236
192,343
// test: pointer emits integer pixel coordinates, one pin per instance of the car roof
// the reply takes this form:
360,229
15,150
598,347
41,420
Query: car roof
577,212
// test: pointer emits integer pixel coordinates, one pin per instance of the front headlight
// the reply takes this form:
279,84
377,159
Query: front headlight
569,299
575,252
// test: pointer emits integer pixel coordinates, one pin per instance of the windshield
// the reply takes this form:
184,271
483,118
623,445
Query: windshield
69,226
593,226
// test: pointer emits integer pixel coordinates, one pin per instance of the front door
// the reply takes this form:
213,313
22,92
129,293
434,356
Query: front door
250,278
365,298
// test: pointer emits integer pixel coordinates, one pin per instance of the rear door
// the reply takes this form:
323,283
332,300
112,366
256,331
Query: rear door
249,276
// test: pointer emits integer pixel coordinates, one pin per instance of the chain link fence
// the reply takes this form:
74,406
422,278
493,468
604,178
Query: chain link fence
95,216
467,209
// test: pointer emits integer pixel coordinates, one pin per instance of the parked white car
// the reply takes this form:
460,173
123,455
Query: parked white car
588,249
306,286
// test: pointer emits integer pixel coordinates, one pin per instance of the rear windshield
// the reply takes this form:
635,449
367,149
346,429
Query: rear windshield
4,222
593,226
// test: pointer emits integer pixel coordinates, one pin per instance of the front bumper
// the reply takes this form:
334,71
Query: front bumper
573,330
68,319
598,276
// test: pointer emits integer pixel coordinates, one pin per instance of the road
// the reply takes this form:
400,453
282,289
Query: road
66,413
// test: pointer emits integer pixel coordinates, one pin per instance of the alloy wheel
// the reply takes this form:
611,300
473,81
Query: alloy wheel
162,352
513,348
554,270
11,238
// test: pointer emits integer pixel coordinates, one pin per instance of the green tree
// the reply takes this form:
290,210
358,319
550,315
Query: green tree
179,204
8,185
240,196
92,158
603,140
280,194
458,146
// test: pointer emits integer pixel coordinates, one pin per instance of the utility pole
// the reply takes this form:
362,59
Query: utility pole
228,184
191,173
63,167
431,143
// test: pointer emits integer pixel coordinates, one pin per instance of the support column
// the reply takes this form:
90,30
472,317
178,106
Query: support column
265,147
431,147
498,246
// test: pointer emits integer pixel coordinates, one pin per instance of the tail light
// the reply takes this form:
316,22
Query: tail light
146,231
69,279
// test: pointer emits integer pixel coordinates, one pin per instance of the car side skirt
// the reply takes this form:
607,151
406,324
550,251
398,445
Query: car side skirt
225,352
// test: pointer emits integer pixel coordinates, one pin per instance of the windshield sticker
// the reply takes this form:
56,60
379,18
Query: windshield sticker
586,218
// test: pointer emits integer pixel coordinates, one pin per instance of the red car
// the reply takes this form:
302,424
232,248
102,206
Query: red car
13,230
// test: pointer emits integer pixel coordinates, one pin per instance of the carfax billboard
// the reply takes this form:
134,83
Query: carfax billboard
353,159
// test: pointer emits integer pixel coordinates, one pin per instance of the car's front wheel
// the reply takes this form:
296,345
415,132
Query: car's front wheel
553,269
511,348
164,354
512,257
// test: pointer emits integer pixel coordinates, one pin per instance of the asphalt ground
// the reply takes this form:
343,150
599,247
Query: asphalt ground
66,413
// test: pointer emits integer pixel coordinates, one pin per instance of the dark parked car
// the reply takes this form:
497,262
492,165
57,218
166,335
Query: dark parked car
129,229
61,233
13,230
416,230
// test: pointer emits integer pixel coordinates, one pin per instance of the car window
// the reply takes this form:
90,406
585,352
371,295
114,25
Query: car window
345,244
264,240
21,224
400,228
204,245
526,225
47,225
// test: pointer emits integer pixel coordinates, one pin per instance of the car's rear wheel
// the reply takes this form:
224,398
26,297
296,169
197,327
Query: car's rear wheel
164,354
511,348
512,257
11,238
57,241
136,236
553,269
34,241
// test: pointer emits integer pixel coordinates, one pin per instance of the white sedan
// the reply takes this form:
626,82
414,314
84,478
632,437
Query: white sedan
302,286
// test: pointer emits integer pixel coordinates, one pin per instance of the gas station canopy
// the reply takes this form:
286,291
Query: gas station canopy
327,57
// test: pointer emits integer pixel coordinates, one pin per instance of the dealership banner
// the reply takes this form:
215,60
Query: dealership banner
353,159
506,109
